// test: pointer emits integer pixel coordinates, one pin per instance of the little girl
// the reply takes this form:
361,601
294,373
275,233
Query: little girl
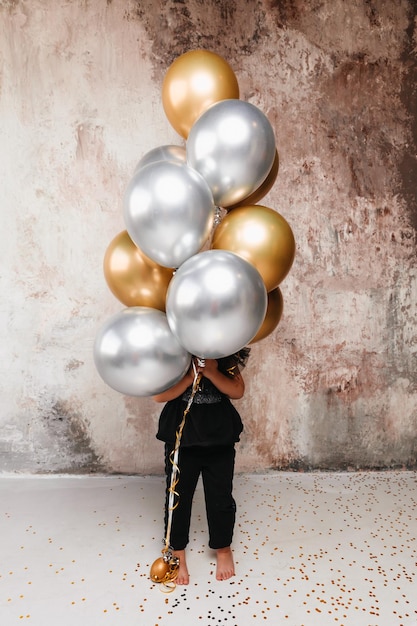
207,447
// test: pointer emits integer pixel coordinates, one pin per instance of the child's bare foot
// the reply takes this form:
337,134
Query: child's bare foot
225,564
183,577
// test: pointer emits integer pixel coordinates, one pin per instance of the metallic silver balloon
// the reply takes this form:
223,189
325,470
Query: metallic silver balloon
168,211
232,145
216,303
136,353
174,154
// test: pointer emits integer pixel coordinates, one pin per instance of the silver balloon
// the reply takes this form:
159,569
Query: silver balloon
232,145
136,353
216,303
174,154
168,211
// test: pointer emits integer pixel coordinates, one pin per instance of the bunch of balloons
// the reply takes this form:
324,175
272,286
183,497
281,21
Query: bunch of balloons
193,283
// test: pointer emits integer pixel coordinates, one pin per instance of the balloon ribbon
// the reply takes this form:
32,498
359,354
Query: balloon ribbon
165,569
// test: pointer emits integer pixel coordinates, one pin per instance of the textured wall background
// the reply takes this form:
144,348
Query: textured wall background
335,385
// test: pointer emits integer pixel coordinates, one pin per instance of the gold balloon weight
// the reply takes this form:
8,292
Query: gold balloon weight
165,570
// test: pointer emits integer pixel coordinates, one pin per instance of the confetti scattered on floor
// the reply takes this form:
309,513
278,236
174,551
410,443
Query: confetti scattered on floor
316,548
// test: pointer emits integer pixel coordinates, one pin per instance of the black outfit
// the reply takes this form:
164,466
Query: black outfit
212,428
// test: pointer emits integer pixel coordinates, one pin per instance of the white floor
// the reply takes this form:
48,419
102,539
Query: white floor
310,549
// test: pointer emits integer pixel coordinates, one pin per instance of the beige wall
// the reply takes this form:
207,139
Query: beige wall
80,103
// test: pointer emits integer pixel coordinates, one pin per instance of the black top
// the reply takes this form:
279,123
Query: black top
212,419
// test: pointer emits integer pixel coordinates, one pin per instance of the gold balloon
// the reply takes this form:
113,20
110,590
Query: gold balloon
192,83
261,236
132,277
263,189
273,315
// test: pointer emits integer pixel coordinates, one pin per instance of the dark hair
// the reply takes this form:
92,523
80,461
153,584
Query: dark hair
228,364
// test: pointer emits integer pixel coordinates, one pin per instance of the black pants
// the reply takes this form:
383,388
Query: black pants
216,466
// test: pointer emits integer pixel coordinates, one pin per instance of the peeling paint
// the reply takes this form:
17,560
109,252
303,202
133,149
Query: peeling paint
71,439
335,384
408,164
73,364
223,26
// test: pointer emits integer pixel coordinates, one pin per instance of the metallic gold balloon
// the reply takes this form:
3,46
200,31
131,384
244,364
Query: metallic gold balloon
264,188
261,236
273,315
192,83
132,277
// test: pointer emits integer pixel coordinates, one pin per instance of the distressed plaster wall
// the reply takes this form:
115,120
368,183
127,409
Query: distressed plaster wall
335,385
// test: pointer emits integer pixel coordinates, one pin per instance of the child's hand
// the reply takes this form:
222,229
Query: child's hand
210,368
